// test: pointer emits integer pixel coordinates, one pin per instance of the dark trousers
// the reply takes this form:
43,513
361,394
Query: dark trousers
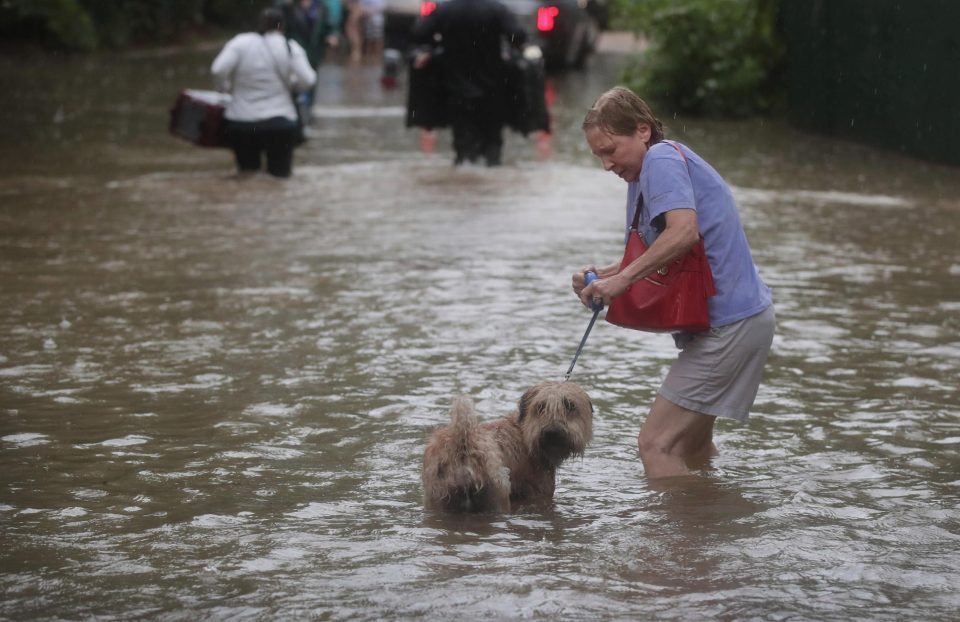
477,131
250,140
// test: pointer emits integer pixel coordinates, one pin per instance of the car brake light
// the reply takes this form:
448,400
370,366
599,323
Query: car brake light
546,18
426,8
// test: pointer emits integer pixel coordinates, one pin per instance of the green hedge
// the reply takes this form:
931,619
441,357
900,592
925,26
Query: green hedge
716,57
85,25
50,23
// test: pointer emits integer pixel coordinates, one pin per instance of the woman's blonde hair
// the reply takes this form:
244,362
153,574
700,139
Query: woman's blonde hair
619,111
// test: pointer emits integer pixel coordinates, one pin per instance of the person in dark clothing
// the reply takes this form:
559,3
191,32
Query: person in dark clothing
314,25
467,39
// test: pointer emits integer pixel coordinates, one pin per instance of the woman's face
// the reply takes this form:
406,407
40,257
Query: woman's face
622,154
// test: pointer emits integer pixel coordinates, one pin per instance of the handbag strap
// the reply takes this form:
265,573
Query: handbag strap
635,225
639,207
276,65
682,154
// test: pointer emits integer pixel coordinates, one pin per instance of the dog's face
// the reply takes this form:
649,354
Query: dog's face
556,419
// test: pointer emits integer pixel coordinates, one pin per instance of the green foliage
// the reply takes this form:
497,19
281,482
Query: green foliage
52,23
716,57
86,24
124,21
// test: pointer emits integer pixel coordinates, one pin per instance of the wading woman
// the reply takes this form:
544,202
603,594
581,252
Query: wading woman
680,197
261,69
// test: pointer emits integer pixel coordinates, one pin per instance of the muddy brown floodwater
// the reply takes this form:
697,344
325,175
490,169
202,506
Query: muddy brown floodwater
214,395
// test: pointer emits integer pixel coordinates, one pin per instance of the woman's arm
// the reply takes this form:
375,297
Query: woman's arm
678,237
224,65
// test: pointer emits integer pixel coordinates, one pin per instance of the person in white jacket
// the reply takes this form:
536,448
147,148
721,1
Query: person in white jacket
260,70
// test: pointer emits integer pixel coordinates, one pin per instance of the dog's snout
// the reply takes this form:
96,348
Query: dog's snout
555,444
552,434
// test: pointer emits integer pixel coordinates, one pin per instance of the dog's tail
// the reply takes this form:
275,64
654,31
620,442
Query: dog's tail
462,418
469,493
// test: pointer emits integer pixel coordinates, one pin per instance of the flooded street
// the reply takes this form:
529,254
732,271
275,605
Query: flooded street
215,394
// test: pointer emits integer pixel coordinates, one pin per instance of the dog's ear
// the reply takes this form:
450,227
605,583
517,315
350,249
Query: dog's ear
524,404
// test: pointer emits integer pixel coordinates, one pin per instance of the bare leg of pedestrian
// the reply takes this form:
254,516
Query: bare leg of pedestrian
673,440
544,145
428,141
353,29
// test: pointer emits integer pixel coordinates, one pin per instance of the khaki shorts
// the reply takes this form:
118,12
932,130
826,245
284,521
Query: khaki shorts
718,371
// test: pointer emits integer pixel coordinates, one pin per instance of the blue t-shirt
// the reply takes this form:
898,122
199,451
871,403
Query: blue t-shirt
666,183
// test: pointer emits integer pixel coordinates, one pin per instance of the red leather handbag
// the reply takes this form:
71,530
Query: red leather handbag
671,299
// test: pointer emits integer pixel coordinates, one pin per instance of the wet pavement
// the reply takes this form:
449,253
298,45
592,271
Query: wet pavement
215,394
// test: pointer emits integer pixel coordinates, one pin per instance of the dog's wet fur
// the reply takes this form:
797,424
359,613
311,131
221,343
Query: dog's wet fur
470,466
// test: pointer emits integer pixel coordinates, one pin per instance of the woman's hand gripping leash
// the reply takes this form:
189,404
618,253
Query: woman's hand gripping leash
597,306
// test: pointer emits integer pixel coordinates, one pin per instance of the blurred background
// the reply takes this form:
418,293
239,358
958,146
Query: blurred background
877,71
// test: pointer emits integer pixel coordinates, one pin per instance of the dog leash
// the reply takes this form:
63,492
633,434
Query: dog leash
597,307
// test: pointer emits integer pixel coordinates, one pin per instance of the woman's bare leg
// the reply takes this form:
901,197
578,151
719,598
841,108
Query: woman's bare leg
673,439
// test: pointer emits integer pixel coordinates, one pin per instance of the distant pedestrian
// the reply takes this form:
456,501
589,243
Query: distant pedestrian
315,25
373,28
365,28
261,69
471,35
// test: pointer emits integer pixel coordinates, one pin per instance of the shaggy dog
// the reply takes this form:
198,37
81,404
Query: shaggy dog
491,467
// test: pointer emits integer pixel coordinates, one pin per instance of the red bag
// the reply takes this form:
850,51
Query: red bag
197,117
671,299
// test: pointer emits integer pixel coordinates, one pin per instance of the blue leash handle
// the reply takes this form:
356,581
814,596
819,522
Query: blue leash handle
589,278
597,307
